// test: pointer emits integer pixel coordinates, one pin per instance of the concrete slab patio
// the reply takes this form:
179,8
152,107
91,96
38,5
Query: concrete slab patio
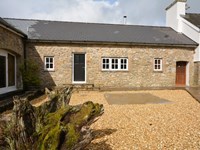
172,125
133,98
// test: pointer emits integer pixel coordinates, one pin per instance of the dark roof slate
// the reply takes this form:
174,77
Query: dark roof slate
6,24
193,18
93,32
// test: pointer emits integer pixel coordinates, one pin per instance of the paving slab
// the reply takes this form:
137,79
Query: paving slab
130,98
195,92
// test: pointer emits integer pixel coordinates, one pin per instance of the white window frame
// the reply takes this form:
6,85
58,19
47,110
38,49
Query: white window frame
158,64
79,82
118,64
8,88
106,64
45,63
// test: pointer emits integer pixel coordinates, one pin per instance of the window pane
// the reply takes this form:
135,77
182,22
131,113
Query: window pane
104,66
51,66
158,61
116,66
11,70
124,66
107,66
113,66
51,59
156,67
116,60
47,66
125,61
47,59
107,60
104,60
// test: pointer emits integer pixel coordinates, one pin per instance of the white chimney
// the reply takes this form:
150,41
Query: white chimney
173,14
125,19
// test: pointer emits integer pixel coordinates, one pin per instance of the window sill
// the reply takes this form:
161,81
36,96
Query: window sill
114,71
158,71
49,70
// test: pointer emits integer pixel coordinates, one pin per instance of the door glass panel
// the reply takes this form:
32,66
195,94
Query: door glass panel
2,71
79,67
11,70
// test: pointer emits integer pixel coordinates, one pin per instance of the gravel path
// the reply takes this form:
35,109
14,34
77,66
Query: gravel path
174,125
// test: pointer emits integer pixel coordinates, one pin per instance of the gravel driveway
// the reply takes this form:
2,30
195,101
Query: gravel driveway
174,125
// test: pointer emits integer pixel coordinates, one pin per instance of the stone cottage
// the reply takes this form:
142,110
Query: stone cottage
108,55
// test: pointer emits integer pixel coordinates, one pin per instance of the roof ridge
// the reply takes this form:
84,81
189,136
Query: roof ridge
87,22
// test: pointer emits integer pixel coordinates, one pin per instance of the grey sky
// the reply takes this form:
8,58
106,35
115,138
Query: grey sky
102,11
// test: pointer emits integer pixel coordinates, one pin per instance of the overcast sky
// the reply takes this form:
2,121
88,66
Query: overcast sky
143,12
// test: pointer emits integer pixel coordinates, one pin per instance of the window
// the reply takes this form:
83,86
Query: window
11,70
106,63
157,64
123,63
3,71
49,63
7,71
115,64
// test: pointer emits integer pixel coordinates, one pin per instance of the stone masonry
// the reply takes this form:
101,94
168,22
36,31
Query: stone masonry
197,73
140,64
13,43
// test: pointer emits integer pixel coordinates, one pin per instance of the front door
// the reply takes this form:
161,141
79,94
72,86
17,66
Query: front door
181,73
79,67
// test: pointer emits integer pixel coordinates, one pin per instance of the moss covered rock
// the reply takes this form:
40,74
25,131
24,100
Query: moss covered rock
63,129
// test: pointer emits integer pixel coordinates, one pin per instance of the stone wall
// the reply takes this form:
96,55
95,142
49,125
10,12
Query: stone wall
197,73
13,43
140,59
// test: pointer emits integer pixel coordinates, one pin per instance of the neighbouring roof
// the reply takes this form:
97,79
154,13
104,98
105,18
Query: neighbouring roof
7,25
193,18
41,30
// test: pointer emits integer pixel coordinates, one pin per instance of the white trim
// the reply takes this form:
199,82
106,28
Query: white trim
8,88
188,74
161,64
49,69
79,82
118,64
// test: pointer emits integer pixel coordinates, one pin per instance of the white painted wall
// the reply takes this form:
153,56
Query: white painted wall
193,33
173,16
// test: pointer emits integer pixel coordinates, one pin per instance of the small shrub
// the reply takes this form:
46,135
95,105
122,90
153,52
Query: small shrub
30,74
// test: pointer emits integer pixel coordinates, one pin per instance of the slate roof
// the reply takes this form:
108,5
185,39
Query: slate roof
6,24
42,30
193,18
